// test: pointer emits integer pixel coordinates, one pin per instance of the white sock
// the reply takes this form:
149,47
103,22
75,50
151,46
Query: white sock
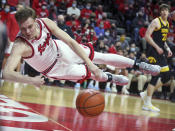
148,100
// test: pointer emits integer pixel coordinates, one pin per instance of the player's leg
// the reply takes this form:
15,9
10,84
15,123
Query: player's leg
3,44
124,62
79,72
69,56
154,85
147,95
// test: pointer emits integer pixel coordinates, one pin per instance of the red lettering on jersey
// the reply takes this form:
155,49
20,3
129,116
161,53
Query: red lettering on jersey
41,48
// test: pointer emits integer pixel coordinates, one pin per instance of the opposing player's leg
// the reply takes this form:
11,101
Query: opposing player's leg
124,62
153,85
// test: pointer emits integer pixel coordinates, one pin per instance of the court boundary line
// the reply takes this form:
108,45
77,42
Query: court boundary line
47,117
40,113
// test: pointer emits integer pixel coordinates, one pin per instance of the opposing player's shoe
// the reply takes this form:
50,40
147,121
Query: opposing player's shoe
118,79
149,69
150,108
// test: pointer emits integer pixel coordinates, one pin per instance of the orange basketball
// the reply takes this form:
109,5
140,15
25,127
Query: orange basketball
90,103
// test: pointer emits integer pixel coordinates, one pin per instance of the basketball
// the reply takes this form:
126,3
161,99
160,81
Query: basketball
90,103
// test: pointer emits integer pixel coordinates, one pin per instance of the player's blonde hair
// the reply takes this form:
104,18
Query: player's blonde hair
164,6
24,13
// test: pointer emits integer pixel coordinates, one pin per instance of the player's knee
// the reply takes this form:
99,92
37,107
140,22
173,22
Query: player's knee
154,80
165,77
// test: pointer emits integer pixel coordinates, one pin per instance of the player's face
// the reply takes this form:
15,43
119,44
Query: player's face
28,28
164,13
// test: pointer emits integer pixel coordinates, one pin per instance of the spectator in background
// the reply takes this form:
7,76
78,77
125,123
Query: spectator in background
113,32
129,16
86,12
137,23
134,49
52,11
9,20
107,38
73,10
131,73
3,43
63,26
24,2
61,7
43,11
142,35
3,3
124,42
101,47
36,5
93,21
106,22
91,37
99,12
13,4
73,22
99,30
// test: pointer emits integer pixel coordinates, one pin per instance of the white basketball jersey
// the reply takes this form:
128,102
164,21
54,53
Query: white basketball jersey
44,49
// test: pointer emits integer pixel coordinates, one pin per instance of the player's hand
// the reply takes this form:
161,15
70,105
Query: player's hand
38,81
96,71
159,50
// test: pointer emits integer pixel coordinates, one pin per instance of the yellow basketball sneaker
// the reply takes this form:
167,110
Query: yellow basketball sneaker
150,108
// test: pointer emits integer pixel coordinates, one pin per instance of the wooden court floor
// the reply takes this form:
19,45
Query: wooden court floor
25,107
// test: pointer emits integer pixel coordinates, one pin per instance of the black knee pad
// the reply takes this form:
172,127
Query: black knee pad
165,76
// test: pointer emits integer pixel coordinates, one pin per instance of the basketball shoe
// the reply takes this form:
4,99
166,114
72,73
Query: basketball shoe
118,79
150,107
148,68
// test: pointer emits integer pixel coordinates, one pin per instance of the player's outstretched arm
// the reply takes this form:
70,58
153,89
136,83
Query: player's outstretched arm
9,73
60,34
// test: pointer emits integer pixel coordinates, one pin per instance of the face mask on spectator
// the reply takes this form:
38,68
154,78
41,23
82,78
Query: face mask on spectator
7,10
87,7
132,49
101,26
107,33
51,3
43,7
3,1
73,5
